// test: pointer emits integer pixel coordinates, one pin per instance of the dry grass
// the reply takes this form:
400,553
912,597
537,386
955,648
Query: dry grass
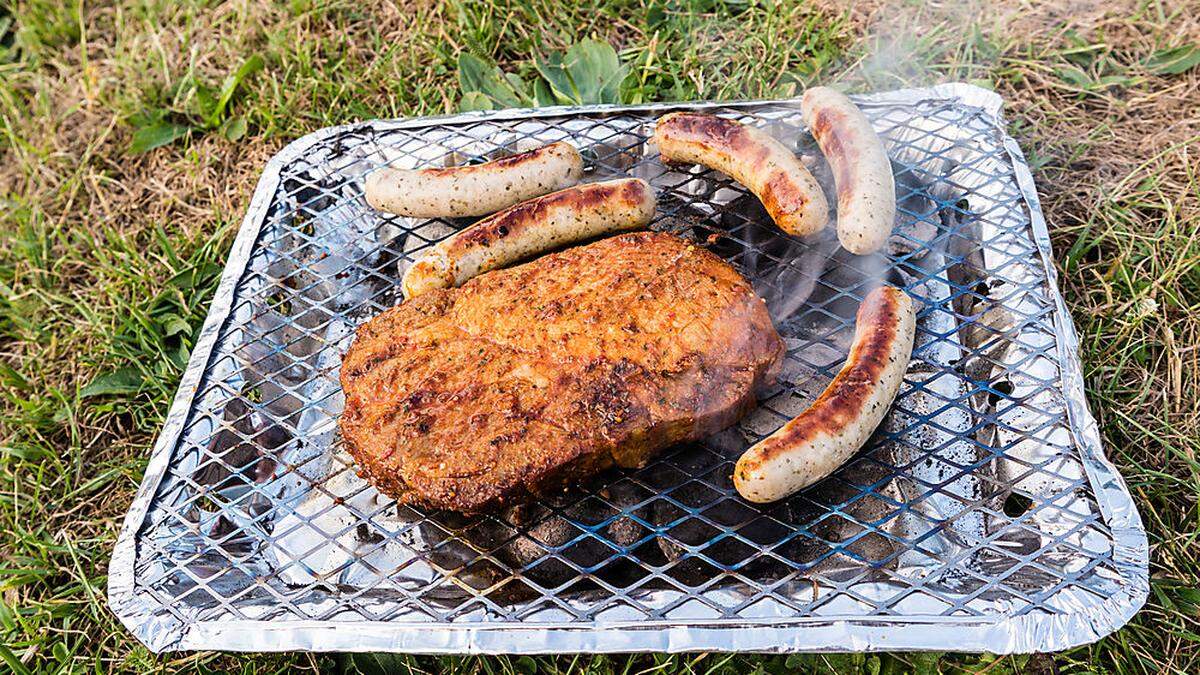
91,235
1121,190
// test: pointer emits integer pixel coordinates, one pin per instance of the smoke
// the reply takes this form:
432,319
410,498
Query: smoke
908,43
905,43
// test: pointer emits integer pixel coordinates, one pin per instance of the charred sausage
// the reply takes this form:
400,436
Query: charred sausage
532,227
866,189
840,421
475,190
781,182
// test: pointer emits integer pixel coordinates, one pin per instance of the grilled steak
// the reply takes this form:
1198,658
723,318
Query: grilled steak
527,378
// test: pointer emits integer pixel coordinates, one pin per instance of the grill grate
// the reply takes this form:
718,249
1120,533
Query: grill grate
982,502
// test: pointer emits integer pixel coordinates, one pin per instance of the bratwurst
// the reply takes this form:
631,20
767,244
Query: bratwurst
862,173
839,422
781,182
475,190
532,227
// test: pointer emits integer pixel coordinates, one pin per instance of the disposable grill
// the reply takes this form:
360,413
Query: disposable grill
981,516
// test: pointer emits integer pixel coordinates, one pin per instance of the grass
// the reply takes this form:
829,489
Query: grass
108,258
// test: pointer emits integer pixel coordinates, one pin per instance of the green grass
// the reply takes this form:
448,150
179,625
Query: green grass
108,259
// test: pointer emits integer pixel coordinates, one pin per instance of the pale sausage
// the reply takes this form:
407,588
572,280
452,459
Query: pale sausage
475,190
862,173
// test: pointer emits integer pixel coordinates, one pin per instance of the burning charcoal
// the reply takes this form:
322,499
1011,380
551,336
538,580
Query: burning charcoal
614,156
846,517
716,517
449,535
783,269
833,302
587,534
917,216
326,530
245,446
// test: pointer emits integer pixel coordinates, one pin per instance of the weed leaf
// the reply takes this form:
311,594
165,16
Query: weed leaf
588,73
519,87
122,381
556,80
1174,61
1073,75
596,71
473,72
542,96
156,135
12,661
234,128
9,377
229,87
8,621
173,324
25,453
475,100
477,76
376,664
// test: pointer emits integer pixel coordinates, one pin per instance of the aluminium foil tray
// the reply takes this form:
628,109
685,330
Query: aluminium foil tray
982,515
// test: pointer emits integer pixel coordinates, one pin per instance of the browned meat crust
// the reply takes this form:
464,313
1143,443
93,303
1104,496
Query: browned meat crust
525,379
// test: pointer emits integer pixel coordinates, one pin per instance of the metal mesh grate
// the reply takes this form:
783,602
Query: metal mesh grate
971,503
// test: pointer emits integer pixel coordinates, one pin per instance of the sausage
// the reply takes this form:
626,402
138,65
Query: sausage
820,439
532,227
781,182
862,173
475,190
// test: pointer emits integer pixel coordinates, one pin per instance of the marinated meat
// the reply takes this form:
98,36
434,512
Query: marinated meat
528,378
